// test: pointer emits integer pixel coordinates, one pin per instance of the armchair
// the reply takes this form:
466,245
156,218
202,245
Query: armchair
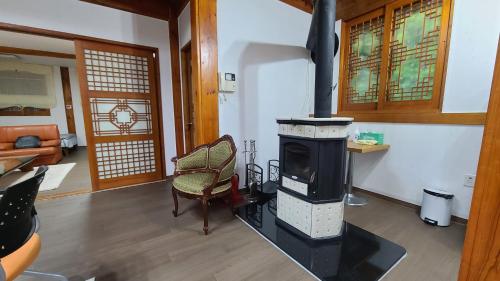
204,174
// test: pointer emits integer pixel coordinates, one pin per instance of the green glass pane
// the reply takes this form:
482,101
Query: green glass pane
364,61
366,42
361,82
414,50
409,74
413,30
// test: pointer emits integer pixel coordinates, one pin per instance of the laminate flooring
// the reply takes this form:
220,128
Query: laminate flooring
130,234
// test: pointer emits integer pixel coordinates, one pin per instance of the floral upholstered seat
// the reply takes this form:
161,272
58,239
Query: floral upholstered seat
205,173
194,183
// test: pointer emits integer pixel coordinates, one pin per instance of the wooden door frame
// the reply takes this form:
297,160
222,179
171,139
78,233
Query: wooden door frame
68,99
71,36
204,74
205,69
186,79
93,140
173,33
179,94
482,240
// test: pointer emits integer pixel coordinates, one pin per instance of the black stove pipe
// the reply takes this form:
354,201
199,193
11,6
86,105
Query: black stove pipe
321,42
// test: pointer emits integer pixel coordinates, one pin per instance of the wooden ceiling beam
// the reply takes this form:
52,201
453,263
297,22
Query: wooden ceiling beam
177,6
304,5
349,9
159,9
346,9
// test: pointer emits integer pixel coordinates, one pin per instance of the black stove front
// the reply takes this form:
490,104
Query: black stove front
319,164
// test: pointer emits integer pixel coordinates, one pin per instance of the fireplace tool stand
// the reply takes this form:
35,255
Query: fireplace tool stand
251,181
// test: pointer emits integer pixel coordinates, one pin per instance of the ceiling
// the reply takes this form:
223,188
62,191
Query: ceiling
40,43
43,60
152,8
163,9
346,9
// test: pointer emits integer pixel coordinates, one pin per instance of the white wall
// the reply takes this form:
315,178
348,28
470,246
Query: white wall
473,47
262,42
184,24
102,22
440,155
184,29
58,113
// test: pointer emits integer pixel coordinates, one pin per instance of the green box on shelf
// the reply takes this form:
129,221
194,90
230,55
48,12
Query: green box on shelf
379,137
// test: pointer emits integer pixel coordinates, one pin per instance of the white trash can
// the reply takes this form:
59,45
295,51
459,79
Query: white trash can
436,207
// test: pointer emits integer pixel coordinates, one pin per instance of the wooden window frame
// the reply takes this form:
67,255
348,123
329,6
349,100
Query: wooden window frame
402,111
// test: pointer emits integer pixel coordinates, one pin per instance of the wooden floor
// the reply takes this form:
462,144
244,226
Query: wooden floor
76,181
130,234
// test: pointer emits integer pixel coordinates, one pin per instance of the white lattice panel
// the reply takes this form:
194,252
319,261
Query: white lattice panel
115,72
115,117
118,159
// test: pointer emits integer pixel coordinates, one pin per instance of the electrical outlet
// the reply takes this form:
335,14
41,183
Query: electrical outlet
469,180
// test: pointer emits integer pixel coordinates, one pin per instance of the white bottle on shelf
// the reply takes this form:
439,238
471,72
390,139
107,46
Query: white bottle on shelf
356,134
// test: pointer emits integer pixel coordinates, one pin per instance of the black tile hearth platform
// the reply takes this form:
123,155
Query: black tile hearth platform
357,255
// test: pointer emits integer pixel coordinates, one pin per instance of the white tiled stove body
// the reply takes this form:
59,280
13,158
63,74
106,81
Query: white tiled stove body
313,132
314,220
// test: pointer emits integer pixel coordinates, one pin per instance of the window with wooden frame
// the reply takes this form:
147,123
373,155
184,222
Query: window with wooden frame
393,58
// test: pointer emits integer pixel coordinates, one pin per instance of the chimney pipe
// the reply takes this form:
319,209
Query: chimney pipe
323,24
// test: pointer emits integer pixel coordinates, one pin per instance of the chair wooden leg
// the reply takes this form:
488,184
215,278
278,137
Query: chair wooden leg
176,203
204,203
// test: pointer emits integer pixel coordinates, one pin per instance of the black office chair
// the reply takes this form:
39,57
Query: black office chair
19,241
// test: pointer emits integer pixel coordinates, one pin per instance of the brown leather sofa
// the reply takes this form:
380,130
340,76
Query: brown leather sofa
50,151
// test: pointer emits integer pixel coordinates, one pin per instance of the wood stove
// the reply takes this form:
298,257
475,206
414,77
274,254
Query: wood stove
312,172
313,150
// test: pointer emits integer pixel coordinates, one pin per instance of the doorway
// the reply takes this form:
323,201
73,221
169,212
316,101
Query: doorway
110,96
120,104
188,99
40,96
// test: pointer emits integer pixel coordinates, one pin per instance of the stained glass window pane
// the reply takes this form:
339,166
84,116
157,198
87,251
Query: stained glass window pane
120,116
365,41
415,32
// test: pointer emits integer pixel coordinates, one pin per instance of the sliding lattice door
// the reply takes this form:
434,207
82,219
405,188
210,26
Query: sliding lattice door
120,105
